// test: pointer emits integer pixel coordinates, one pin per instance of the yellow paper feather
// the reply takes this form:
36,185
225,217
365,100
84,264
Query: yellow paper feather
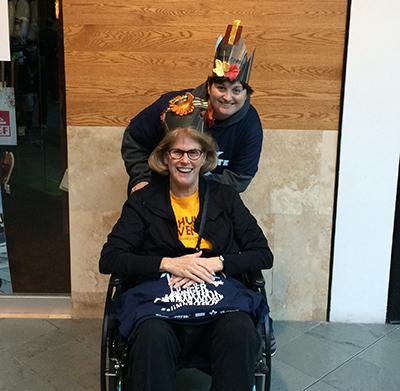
232,36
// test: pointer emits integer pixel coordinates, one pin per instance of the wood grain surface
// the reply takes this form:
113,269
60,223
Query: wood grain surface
120,55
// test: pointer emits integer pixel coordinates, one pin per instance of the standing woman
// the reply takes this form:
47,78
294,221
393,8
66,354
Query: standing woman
231,119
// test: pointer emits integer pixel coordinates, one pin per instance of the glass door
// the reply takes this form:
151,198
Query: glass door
34,230
393,308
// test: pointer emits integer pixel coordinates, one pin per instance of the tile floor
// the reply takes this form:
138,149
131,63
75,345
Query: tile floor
63,355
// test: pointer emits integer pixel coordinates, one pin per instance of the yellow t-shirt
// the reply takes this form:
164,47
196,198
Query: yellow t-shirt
186,210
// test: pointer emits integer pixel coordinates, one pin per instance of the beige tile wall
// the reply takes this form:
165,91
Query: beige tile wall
291,196
97,190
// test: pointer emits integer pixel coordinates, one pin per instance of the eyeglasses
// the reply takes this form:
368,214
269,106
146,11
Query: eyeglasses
193,154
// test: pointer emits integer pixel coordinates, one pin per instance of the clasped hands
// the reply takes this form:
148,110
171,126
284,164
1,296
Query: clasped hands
191,268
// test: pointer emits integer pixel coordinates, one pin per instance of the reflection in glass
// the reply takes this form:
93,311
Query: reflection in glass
35,208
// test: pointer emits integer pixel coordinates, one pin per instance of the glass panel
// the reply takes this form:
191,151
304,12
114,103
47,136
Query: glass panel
34,226
393,308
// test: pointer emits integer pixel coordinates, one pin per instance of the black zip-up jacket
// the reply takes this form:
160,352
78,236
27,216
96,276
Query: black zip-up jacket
147,231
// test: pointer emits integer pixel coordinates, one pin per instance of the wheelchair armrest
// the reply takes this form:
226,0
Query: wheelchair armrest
116,280
116,286
256,279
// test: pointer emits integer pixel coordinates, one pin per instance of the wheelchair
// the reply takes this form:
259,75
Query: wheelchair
114,348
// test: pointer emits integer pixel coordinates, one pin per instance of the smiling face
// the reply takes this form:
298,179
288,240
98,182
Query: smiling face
226,98
183,172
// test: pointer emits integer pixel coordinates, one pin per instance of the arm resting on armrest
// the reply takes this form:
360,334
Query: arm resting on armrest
256,279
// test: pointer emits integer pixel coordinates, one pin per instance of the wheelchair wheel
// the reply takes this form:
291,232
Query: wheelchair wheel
263,367
267,354
111,366
263,376
111,357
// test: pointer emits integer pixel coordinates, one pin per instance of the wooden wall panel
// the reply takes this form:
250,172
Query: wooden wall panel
122,54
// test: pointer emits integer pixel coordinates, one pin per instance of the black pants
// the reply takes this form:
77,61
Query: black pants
230,344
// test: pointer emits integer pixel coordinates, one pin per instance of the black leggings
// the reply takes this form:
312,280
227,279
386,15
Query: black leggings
230,343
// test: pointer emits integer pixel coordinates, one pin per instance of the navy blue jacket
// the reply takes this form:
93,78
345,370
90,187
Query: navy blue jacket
239,140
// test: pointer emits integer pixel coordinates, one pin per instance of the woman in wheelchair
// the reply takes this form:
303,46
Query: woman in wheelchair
184,242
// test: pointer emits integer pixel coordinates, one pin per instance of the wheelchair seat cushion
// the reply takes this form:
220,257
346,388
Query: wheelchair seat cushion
196,304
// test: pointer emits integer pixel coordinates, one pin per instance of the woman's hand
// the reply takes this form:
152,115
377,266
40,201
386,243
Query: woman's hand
180,282
191,268
139,186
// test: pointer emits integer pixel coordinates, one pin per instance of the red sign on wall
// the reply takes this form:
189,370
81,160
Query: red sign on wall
8,123
5,124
